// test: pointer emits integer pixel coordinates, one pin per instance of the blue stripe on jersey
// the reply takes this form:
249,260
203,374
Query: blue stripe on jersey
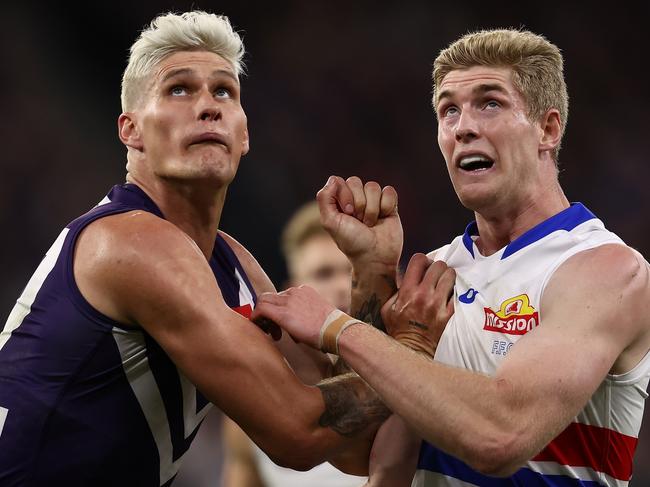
567,220
435,460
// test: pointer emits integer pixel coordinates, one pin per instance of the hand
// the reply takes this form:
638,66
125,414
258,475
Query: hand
363,220
301,311
417,314
394,455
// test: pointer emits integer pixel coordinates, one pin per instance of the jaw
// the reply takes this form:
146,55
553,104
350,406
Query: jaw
477,190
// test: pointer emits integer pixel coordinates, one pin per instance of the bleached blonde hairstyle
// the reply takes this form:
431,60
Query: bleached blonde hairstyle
537,67
170,33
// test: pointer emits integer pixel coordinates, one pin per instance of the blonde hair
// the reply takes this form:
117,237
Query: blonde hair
303,225
536,63
170,33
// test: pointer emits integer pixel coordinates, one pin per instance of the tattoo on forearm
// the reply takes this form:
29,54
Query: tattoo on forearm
419,325
350,405
340,367
370,312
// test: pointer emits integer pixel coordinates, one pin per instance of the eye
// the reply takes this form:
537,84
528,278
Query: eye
492,104
222,93
324,273
449,111
177,90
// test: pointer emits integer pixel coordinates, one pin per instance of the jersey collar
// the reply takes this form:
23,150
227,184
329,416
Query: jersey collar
567,220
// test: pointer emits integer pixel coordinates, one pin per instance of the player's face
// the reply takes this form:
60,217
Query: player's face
490,146
192,123
320,264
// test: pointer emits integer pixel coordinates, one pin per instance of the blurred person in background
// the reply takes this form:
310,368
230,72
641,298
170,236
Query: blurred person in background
541,374
312,259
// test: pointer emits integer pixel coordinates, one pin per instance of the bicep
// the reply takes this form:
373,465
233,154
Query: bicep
225,355
556,368
159,279
310,365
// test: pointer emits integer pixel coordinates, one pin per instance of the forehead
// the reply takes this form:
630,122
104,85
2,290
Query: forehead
460,81
203,63
319,248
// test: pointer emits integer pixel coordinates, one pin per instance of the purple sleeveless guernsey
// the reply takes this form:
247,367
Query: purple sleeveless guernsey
87,401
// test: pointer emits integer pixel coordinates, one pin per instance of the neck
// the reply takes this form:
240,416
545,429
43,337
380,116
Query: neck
498,228
193,207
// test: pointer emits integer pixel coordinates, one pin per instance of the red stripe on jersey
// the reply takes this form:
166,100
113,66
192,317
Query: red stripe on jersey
245,310
601,449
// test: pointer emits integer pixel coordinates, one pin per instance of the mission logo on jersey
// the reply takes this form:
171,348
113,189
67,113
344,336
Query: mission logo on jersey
515,316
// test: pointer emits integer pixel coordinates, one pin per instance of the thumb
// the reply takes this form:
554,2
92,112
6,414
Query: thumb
269,306
334,198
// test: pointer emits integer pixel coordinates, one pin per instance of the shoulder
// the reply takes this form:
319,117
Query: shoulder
135,238
260,281
607,267
131,254
606,291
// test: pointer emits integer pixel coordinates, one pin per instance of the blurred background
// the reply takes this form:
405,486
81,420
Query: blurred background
333,87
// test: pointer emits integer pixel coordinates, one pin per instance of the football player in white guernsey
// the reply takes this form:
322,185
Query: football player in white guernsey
540,375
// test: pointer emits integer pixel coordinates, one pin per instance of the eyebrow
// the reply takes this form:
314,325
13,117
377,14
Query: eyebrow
215,74
477,90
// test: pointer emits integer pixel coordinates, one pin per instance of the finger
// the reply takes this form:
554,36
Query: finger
445,291
433,274
372,191
415,271
446,284
388,309
269,305
388,205
356,186
335,197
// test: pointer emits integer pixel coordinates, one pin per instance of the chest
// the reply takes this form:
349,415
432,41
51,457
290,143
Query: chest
497,302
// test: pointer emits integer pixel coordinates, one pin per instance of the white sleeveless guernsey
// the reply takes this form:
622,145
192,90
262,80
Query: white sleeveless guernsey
497,301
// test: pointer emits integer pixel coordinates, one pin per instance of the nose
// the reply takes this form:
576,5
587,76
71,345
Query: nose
209,109
466,128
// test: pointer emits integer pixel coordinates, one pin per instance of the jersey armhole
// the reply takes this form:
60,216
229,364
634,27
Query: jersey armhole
67,269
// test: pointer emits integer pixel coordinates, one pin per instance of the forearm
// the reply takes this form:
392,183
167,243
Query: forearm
460,412
353,410
372,286
333,421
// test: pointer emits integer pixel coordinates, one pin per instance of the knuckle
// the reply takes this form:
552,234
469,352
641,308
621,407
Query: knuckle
354,180
372,185
441,266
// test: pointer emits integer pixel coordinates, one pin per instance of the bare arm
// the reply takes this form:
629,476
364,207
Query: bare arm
349,401
141,270
494,424
310,365
394,455
364,223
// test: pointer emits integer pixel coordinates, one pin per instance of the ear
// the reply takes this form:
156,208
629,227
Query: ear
129,132
245,144
551,130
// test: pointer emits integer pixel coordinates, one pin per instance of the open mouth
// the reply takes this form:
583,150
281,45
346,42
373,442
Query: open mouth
475,163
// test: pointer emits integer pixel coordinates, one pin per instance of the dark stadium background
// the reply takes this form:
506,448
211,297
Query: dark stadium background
333,87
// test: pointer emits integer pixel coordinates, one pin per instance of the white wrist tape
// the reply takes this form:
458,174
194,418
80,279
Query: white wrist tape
331,330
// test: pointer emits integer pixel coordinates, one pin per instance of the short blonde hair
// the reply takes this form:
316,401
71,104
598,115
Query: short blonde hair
170,33
536,63
302,226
